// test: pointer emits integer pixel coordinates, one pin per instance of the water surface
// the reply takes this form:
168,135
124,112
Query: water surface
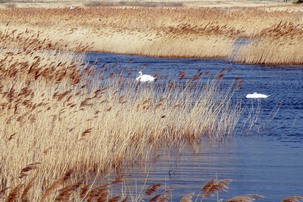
265,159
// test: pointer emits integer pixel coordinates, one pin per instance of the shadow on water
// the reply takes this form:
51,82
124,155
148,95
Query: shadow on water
265,155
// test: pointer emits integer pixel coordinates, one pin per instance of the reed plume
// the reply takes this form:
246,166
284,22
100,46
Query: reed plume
87,131
164,199
187,197
14,194
155,198
151,189
84,190
214,186
65,193
26,170
125,199
182,75
56,184
115,199
99,193
293,199
117,180
24,195
245,198
2,191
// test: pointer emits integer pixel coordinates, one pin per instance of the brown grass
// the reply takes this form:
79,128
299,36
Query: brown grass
214,186
60,126
279,44
293,199
187,198
245,198
274,31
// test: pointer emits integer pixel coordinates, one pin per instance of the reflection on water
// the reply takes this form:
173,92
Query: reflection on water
268,162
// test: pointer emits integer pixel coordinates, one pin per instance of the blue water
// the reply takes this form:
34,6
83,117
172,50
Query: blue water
265,156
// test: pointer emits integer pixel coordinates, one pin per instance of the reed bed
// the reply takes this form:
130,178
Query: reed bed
269,46
63,122
273,32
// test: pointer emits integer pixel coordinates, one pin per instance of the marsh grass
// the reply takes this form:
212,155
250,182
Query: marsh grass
278,44
293,199
274,32
270,51
63,121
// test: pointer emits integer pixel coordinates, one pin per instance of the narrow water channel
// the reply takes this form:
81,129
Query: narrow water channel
265,159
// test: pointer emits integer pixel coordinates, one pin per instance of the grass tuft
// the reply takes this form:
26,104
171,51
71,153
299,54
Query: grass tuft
293,199
213,186
245,198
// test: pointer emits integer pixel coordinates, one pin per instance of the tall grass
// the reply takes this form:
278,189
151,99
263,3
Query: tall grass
278,44
63,121
274,32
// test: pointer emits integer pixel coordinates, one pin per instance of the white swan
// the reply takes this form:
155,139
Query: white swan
256,95
145,78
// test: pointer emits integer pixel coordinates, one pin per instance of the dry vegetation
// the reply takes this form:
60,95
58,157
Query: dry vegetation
273,32
278,44
63,122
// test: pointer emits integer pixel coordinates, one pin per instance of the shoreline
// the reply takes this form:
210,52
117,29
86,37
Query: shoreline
201,58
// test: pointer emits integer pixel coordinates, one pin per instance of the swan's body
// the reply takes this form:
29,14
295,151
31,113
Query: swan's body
256,95
145,78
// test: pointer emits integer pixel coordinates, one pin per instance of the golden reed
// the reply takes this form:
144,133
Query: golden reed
272,33
63,121
59,126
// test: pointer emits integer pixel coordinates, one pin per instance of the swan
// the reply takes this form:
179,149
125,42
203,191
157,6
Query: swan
256,95
145,78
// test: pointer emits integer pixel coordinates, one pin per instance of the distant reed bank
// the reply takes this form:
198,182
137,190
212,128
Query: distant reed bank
272,33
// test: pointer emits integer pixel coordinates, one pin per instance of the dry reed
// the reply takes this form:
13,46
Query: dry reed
273,33
59,120
214,186
245,198
153,188
59,123
187,198
293,199
279,44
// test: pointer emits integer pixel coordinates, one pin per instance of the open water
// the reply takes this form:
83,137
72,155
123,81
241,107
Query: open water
265,158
